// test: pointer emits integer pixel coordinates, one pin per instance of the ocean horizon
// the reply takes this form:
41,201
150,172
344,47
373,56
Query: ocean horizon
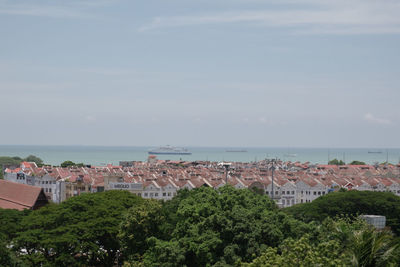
102,155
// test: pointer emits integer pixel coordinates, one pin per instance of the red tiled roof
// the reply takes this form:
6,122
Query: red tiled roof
18,196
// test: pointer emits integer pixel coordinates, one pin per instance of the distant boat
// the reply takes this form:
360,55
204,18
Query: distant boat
375,152
236,150
170,150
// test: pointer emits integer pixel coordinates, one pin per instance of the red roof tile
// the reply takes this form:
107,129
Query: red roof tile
18,196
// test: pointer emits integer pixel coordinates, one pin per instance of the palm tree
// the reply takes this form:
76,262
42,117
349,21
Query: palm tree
371,247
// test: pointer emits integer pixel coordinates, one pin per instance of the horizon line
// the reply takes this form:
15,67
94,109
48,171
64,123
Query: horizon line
205,146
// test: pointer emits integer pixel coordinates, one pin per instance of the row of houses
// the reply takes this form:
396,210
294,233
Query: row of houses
291,183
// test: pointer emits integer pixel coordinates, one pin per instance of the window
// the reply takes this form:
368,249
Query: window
301,192
276,193
292,192
287,192
315,193
169,194
145,194
156,194
319,193
139,194
266,192
323,192
49,190
283,192
151,194
301,201
283,202
292,201
47,182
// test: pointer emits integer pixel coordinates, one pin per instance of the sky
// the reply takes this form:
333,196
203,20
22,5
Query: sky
241,73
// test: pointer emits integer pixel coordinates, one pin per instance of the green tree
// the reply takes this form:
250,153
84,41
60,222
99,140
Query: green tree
81,231
32,158
68,163
10,221
301,252
374,248
10,161
335,242
351,203
336,162
7,257
141,222
356,162
205,226
9,227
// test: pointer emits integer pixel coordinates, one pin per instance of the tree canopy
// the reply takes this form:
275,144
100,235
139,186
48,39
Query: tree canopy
335,242
80,231
336,162
67,163
32,158
353,203
205,227
201,227
356,162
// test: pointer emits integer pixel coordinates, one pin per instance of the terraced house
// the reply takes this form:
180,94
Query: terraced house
292,183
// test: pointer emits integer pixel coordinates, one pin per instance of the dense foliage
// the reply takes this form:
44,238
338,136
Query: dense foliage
356,162
79,232
7,257
336,162
206,227
339,242
10,160
69,163
351,203
200,227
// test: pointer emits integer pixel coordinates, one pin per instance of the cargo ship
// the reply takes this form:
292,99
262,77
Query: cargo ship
170,150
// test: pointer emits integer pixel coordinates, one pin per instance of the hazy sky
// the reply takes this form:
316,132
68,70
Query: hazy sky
313,73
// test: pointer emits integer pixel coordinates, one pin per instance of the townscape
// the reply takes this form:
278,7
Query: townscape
288,183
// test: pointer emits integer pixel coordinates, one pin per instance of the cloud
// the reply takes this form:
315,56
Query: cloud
110,72
67,9
304,17
372,119
90,118
263,120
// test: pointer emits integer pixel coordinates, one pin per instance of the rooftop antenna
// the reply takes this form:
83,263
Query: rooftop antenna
226,165
387,156
329,155
272,174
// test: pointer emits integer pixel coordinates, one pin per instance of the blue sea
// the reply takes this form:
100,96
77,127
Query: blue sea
102,155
